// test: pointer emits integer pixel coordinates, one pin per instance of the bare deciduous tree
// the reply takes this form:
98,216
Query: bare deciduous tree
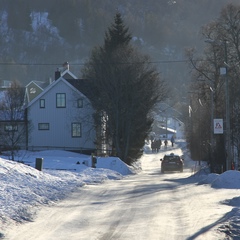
222,50
13,127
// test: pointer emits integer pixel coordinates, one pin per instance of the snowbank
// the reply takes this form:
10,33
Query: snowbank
22,186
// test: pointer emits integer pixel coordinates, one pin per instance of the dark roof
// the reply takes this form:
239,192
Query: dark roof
82,85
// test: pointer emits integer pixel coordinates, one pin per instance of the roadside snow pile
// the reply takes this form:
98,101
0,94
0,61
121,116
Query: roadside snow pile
74,162
22,186
228,180
231,227
209,178
115,164
235,202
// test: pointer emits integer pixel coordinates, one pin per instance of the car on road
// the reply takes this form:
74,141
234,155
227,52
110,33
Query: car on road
171,162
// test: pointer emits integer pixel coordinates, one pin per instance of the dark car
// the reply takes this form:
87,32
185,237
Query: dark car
171,162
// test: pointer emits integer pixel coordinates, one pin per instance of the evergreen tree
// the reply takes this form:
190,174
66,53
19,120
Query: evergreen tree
125,89
117,35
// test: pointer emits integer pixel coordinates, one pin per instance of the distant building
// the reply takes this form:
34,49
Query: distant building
166,122
32,90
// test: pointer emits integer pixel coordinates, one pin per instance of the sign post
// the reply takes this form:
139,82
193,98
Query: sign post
218,126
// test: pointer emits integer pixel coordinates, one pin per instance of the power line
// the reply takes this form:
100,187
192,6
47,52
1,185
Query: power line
79,64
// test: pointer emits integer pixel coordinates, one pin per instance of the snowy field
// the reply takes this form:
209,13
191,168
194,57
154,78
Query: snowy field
23,188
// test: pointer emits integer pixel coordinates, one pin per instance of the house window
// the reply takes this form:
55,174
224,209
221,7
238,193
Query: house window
10,128
61,100
80,103
76,129
43,126
42,103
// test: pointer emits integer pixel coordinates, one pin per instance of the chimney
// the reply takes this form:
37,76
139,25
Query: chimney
57,74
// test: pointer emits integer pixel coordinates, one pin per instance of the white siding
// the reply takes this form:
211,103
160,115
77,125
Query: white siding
59,134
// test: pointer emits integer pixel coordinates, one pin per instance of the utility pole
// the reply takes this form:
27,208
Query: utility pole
212,126
228,157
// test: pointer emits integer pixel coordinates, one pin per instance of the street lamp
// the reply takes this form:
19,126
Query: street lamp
224,71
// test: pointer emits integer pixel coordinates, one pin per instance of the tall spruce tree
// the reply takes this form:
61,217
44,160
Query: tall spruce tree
117,35
125,89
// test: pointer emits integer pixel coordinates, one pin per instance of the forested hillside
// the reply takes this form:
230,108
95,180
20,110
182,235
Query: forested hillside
37,36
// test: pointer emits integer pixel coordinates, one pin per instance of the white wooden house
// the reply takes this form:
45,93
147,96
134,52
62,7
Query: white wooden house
60,117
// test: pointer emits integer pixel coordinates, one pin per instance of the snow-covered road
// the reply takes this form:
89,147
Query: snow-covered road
149,205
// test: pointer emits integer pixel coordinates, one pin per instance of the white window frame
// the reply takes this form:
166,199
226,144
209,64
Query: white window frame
76,130
61,100
43,126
